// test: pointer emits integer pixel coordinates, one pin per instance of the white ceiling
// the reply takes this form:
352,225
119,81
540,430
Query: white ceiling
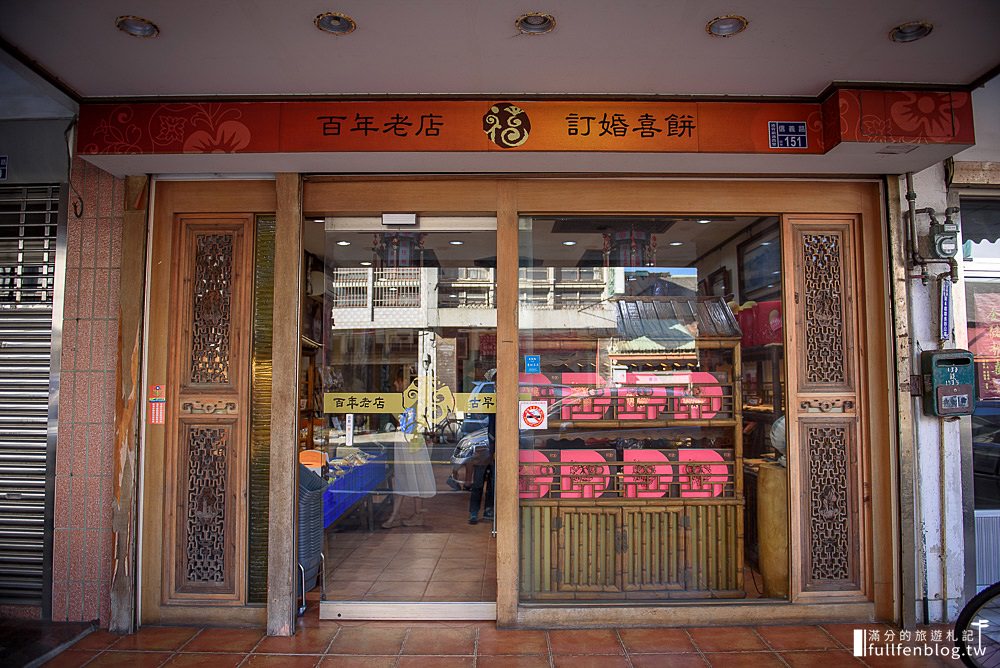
470,47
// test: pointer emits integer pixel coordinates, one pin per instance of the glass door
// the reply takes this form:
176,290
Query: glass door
397,409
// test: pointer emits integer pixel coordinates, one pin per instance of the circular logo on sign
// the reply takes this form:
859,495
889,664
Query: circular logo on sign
533,415
506,125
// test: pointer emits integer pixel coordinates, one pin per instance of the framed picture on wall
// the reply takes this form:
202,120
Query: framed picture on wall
720,283
759,266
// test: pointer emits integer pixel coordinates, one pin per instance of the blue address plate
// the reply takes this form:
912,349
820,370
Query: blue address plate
787,134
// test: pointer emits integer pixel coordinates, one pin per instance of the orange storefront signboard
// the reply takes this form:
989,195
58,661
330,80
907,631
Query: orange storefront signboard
532,125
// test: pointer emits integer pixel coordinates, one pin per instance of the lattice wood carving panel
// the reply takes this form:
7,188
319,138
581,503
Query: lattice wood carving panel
828,481
206,546
825,316
205,552
211,321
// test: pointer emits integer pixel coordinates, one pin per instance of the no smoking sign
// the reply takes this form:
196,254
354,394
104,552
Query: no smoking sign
533,414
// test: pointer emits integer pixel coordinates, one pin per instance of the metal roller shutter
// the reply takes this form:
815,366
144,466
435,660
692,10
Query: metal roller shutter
28,221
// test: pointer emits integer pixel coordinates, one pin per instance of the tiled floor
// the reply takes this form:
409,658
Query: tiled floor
476,645
445,559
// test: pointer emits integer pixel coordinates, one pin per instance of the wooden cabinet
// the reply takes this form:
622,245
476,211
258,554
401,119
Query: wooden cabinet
658,551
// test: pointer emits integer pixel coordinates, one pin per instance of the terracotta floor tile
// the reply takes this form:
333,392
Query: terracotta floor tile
454,591
596,641
386,539
373,561
427,540
408,561
351,574
656,641
205,660
745,660
306,641
311,618
71,658
435,662
157,638
467,561
344,661
282,661
421,554
406,574
239,641
589,661
460,573
348,590
493,642
820,659
784,638
440,641
726,639
99,639
670,661
526,661
395,591
844,633
368,640
114,659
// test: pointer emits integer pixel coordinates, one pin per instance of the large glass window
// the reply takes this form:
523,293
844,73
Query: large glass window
397,407
651,408
981,235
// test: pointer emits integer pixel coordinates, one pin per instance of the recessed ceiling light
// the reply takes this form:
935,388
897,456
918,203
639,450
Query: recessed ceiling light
335,23
137,26
704,222
343,243
569,243
765,243
366,263
535,23
319,220
676,243
453,296
456,243
726,26
910,32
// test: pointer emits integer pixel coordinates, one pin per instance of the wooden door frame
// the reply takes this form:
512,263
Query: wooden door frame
509,198
170,200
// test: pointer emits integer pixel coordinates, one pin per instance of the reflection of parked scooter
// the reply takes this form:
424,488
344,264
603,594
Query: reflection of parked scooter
475,449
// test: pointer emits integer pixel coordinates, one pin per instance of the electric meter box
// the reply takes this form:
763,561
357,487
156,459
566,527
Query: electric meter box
949,379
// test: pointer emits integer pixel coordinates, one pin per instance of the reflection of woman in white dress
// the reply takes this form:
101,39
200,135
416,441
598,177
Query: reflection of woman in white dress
412,477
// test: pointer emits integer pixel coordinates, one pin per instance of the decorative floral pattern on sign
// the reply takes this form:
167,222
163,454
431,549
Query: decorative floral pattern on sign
912,117
170,128
119,133
923,113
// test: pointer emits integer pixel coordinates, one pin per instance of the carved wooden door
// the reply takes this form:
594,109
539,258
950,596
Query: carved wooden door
205,476
824,409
